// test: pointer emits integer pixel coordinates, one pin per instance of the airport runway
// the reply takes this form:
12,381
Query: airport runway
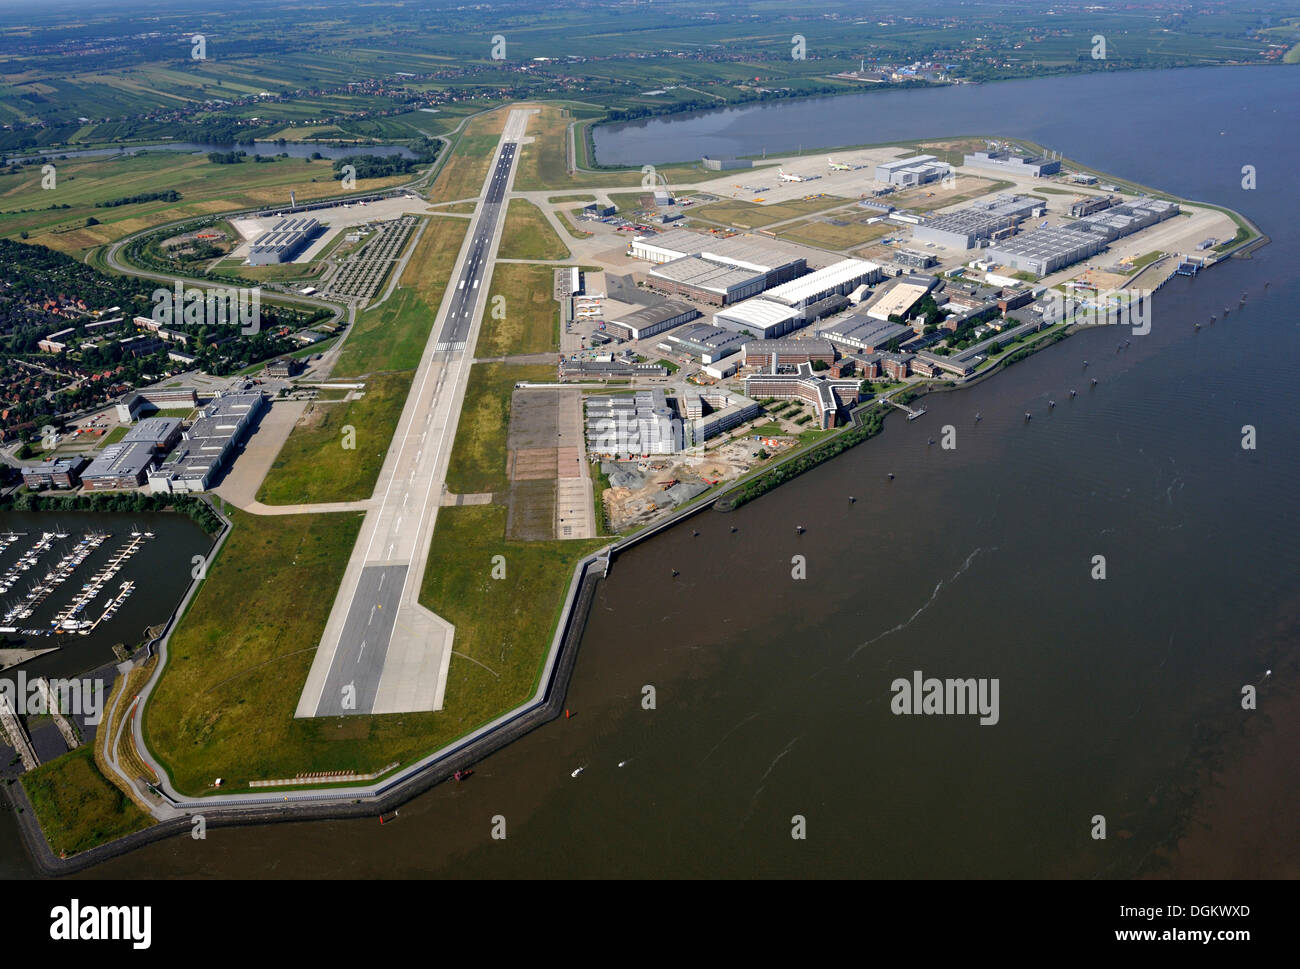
382,652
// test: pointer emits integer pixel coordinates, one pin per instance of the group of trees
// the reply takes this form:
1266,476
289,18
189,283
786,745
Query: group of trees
171,195
123,501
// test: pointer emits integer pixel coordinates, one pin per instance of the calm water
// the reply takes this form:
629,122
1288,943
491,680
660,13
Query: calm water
160,570
773,694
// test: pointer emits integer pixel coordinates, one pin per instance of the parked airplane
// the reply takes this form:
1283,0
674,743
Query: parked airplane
789,178
838,166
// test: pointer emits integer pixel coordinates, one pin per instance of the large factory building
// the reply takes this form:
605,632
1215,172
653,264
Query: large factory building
718,271
1002,161
649,320
283,242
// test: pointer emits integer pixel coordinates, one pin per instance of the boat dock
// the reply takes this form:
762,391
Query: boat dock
28,559
69,618
911,412
60,573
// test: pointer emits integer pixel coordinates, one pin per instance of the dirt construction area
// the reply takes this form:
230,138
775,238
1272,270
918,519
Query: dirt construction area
640,491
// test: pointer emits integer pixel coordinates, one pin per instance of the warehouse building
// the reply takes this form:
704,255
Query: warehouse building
759,317
155,398
709,343
702,279
1091,204
913,259
827,397
605,369
918,170
161,433
649,320
119,465
1044,251
967,227
283,368
779,261
1002,161
898,299
725,164
284,241
859,332
776,355
62,473
837,279
207,445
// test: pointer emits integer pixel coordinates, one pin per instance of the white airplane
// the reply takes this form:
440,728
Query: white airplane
789,178
838,166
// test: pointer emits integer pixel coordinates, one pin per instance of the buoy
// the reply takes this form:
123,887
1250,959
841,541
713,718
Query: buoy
1085,363
979,417
733,528
891,476
1073,392
1028,416
1094,381
931,440
695,534
1051,403
566,714
675,573
852,499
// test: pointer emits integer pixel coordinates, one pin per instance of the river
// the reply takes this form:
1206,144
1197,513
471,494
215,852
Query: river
772,695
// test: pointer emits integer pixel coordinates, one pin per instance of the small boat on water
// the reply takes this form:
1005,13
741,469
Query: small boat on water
578,771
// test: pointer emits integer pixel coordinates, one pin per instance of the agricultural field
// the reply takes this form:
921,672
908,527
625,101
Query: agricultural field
204,188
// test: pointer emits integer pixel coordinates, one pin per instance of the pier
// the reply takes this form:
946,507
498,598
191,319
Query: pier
911,412
18,738
60,721
69,618
57,575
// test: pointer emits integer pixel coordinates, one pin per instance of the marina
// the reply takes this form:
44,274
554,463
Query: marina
56,576
70,617
28,559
